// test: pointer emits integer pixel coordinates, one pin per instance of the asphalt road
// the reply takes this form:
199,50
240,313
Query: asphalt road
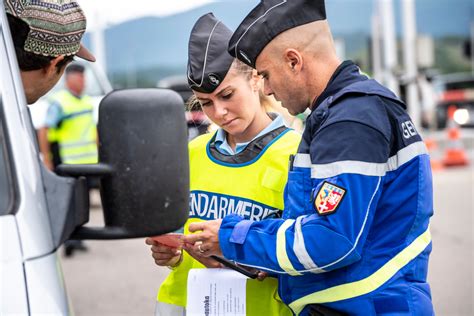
120,278
451,264
117,277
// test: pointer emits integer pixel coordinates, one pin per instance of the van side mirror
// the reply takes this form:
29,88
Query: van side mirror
143,165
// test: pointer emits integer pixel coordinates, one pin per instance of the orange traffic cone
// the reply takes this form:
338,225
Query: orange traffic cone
454,155
433,150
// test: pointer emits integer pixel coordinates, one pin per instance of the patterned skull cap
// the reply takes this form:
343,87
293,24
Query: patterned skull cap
56,26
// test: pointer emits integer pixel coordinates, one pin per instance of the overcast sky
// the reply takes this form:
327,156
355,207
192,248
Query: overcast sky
108,12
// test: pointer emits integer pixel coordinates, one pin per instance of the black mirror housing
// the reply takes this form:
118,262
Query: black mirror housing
143,138
144,165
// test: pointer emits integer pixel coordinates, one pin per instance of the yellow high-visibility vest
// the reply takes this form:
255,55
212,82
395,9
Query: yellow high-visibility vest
51,135
77,133
253,189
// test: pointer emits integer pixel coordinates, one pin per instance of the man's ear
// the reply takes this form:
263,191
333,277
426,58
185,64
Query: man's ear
51,68
293,59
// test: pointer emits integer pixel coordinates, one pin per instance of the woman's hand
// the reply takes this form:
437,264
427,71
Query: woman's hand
164,255
206,261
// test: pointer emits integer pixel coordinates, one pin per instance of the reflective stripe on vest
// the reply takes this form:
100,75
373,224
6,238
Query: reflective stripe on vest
77,133
254,191
370,283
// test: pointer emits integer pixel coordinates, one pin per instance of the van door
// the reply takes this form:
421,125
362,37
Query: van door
13,296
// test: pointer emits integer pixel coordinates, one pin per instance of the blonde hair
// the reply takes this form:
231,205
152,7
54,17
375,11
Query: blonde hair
193,103
242,69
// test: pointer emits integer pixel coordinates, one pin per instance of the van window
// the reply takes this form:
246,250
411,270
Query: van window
6,183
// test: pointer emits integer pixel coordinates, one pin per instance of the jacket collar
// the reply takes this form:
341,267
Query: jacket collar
346,74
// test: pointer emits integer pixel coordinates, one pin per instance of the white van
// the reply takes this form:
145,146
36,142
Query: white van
144,186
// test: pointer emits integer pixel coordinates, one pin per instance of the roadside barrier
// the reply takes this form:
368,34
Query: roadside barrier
454,154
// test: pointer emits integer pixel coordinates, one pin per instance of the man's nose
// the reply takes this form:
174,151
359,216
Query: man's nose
267,90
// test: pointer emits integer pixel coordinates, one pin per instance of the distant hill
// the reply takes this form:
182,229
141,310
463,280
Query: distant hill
152,42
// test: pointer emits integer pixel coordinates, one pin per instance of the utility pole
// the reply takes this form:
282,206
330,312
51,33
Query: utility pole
472,46
376,46
409,60
98,42
390,60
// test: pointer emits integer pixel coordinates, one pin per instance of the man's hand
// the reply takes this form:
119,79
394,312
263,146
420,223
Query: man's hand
262,275
164,255
206,242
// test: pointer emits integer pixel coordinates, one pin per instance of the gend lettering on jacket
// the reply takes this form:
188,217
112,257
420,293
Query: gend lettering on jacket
355,229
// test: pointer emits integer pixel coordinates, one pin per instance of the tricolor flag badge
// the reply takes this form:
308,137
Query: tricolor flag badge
328,198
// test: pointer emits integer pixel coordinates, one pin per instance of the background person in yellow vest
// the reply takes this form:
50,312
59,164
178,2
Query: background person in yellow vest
70,115
241,168
70,123
53,148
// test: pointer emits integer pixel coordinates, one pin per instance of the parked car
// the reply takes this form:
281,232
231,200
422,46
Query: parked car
196,120
454,90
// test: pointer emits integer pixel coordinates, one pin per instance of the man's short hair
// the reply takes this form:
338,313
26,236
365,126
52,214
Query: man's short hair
46,29
75,68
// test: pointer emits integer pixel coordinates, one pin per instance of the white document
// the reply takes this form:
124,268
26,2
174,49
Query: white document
213,292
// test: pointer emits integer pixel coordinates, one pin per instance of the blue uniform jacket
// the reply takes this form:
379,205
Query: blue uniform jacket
355,230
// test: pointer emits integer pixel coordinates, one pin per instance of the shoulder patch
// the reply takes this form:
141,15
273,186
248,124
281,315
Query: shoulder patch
328,198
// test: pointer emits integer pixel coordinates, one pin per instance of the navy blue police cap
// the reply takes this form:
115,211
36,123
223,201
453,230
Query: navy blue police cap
268,19
208,59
